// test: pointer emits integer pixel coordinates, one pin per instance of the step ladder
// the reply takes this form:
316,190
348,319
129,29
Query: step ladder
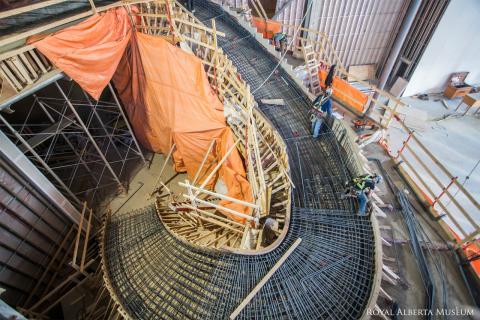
312,67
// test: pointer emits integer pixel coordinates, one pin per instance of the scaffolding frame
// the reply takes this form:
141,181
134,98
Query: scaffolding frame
83,146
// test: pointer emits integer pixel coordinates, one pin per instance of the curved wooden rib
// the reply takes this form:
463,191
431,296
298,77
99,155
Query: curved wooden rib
195,219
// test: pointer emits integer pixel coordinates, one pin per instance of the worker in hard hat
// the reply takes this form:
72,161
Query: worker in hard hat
362,186
322,105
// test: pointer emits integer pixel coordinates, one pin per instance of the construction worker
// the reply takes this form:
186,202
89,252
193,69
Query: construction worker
321,105
362,186
270,230
280,41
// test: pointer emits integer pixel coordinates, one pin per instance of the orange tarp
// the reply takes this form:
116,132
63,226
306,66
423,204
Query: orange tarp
473,250
344,92
177,97
175,104
89,52
165,92
268,29
234,176
179,106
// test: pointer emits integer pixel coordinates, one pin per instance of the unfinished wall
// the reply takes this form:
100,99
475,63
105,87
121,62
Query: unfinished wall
31,232
454,47
361,30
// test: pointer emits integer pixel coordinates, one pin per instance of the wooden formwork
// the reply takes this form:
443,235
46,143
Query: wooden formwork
258,142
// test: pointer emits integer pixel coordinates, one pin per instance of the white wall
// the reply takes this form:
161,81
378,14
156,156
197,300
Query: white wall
454,47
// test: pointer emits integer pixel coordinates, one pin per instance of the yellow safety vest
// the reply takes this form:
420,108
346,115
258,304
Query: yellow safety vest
360,181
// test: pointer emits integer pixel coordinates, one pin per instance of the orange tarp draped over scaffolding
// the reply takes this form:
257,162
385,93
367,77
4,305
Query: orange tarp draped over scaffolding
169,100
89,52
344,92
176,98
164,89
165,92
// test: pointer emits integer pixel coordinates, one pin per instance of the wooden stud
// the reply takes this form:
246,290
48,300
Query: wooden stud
85,245
205,157
79,232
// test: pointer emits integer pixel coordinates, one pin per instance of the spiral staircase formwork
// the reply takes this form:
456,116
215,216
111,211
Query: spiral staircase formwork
151,272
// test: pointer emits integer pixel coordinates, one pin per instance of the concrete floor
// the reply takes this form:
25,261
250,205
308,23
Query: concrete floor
441,129
142,185
409,293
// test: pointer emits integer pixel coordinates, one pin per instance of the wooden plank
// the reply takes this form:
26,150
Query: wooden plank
15,52
214,216
205,157
225,157
278,102
60,286
10,77
29,66
5,77
219,195
92,4
264,280
163,168
37,60
363,71
85,244
45,272
79,232
211,220
219,207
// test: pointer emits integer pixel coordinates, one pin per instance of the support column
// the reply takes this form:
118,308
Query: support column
139,150
399,40
94,143
397,46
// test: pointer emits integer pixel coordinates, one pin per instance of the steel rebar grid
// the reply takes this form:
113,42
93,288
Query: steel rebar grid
330,274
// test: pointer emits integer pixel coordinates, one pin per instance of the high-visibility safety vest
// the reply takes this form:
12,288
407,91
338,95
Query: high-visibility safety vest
359,182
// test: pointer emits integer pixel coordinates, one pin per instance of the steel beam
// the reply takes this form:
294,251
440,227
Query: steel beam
399,40
38,158
139,150
32,90
16,158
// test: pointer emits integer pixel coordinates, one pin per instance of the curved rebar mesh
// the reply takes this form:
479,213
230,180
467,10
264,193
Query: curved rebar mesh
328,276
